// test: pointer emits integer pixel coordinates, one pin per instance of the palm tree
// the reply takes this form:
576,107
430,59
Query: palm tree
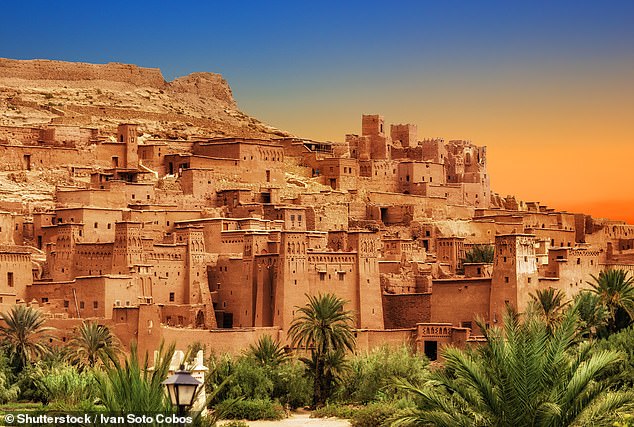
325,328
92,344
24,335
550,304
480,254
524,376
592,315
268,352
133,387
616,291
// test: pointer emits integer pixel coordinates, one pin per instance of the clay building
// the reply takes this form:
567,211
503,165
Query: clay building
226,237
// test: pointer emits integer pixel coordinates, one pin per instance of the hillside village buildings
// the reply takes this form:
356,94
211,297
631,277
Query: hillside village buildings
220,240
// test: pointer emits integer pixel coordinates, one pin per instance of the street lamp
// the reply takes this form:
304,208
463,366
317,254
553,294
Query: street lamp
182,388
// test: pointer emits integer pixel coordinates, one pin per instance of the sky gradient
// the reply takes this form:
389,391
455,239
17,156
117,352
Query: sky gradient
547,86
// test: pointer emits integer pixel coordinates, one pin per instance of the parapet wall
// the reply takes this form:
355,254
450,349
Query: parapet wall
41,69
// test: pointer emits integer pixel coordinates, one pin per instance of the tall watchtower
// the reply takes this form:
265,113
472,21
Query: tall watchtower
514,275
373,127
128,247
68,235
293,281
369,286
127,134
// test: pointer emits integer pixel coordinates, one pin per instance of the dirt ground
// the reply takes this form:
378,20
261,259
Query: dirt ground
299,420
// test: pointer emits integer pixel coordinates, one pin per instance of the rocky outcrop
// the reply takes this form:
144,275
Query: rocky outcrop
43,69
41,92
204,85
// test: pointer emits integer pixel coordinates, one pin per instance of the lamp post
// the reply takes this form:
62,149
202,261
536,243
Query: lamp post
181,388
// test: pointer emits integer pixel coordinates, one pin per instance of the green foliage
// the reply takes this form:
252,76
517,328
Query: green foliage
480,254
526,375
246,378
291,386
626,420
335,410
550,305
66,388
24,336
592,315
267,352
622,341
374,415
235,423
92,344
616,290
8,389
252,409
132,387
373,376
378,414
324,327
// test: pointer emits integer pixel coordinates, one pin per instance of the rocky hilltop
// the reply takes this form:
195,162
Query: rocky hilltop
35,92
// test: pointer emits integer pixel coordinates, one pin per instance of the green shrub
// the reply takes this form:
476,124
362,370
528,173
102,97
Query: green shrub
245,378
372,375
249,379
66,388
291,386
252,409
8,389
335,410
622,341
375,415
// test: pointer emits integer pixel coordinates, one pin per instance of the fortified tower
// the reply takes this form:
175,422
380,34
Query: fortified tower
514,275
196,274
369,293
126,133
259,277
372,126
450,250
406,134
293,281
128,247
68,235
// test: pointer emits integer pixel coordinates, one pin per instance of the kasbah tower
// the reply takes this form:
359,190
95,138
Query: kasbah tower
218,237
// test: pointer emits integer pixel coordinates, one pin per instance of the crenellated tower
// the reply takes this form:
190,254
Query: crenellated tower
369,302
514,275
293,284
128,247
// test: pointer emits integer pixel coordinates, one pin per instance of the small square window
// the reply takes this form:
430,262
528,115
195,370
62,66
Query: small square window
171,296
